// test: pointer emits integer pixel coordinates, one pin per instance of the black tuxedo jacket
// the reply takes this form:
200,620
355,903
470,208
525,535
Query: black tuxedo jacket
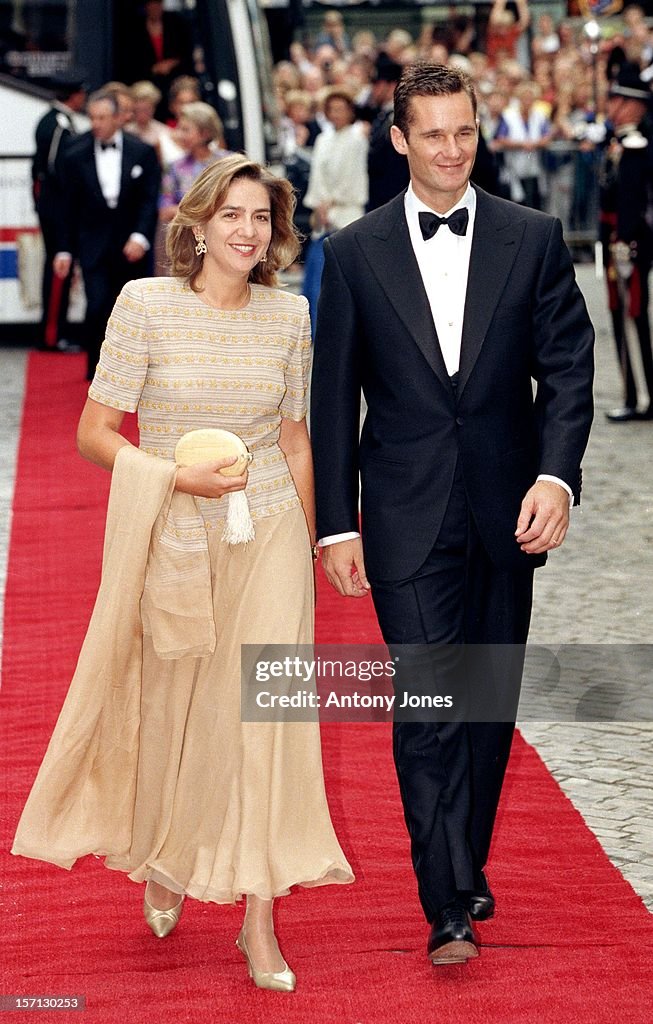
525,320
138,56
88,228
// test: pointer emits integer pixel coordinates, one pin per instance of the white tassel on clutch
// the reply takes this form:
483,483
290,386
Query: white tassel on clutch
207,444
238,527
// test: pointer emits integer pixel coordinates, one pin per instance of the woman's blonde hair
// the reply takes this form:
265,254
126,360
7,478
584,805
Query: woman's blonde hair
205,119
145,90
207,194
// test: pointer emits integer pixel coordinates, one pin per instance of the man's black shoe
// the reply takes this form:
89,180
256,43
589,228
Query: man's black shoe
452,940
479,903
624,415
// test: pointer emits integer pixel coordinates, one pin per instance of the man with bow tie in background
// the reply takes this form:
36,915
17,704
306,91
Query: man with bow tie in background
443,306
109,214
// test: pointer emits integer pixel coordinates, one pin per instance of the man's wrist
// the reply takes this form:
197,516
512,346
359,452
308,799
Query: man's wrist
136,236
556,480
336,538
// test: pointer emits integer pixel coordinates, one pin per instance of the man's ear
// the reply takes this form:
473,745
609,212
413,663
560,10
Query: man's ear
398,140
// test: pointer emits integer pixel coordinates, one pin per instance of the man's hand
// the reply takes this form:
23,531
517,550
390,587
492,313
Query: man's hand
165,66
62,264
543,519
344,567
133,251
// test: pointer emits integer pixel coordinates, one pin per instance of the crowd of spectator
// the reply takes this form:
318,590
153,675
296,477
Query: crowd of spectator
542,90
539,84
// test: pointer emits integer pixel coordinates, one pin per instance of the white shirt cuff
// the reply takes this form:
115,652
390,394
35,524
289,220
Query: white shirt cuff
136,236
557,480
335,538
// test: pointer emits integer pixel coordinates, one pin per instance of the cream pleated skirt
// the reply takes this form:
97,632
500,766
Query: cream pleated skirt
223,808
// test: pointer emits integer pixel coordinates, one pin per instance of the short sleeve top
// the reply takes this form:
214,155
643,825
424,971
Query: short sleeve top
184,365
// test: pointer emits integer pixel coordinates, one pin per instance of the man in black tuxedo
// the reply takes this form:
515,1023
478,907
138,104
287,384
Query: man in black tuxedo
109,214
54,133
443,306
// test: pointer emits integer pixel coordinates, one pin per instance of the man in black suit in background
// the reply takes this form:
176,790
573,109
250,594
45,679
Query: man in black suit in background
387,169
443,306
54,133
109,214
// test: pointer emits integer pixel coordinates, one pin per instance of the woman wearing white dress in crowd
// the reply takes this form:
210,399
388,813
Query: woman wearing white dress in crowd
337,186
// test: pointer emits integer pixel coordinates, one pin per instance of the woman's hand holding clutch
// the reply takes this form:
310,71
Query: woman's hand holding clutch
204,479
213,462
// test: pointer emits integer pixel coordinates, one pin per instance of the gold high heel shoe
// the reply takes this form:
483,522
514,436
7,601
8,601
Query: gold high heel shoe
279,981
162,921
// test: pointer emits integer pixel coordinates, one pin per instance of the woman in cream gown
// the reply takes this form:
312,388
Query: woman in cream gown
150,765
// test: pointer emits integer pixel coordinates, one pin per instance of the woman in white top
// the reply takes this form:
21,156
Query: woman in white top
338,183
146,98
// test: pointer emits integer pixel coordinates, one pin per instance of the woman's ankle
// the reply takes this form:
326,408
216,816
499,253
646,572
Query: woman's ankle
161,898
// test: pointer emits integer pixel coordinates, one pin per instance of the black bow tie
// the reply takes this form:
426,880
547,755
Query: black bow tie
430,222
108,145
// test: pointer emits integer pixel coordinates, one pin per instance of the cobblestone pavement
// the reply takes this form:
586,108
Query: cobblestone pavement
598,589
12,381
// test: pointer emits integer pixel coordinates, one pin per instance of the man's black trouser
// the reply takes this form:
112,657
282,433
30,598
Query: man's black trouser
450,773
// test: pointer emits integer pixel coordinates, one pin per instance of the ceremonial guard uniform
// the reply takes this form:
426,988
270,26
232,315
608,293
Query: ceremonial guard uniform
626,233
54,133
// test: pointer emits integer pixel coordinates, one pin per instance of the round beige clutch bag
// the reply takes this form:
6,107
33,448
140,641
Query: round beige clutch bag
207,445
212,443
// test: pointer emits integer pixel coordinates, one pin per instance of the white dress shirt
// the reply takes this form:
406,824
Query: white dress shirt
108,164
443,262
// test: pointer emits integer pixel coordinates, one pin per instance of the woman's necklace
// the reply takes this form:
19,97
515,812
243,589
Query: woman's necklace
231,309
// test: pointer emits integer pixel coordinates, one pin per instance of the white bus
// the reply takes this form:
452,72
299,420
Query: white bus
229,54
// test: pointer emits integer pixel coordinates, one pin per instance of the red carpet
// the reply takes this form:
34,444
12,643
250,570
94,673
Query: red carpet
549,957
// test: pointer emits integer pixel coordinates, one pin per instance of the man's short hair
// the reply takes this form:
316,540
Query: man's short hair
104,95
422,79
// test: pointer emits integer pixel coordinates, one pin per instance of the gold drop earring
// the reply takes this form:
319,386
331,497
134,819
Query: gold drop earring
264,258
200,244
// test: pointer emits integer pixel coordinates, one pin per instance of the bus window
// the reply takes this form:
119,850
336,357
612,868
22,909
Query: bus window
36,38
228,53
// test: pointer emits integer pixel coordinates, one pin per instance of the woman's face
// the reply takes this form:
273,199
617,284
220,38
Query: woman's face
183,97
240,231
143,112
496,103
298,113
189,136
339,113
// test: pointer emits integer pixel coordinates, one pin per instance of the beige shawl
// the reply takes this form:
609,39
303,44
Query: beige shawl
154,580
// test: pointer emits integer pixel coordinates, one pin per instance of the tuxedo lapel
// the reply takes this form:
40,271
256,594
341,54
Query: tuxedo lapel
126,166
494,247
87,163
389,252
132,162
